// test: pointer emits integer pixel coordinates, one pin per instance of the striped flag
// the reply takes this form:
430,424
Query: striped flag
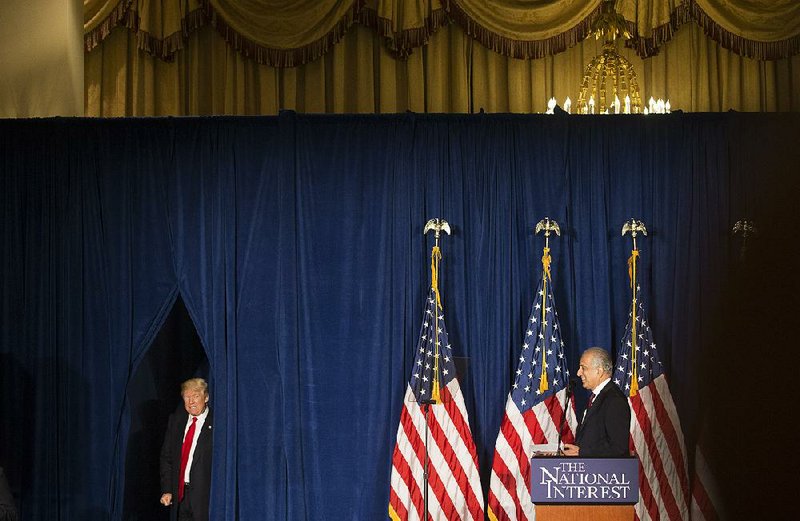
454,486
534,408
656,435
706,504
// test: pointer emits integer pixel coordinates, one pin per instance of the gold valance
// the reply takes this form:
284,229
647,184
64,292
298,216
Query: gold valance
406,24
95,12
283,33
287,33
161,26
526,28
760,29
652,22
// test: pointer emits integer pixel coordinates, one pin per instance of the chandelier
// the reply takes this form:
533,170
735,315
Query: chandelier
609,78
609,84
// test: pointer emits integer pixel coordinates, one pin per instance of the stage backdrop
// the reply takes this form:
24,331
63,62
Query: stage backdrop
296,245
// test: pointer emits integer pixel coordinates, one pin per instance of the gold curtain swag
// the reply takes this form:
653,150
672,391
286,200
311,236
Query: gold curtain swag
278,33
759,29
289,33
526,30
161,26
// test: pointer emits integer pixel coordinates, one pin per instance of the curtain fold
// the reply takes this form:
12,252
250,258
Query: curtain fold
160,26
760,20
96,12
406,24
100,17
526,30
761,29
646,16
652,23
283,33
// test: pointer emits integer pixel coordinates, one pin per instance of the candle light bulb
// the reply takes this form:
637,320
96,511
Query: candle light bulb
616,104
567,105
627,104
591,104
667,106
551,104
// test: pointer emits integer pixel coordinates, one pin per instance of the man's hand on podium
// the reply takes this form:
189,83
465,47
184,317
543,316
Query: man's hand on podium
571,450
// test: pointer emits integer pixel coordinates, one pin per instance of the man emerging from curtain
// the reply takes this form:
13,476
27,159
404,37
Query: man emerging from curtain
186,454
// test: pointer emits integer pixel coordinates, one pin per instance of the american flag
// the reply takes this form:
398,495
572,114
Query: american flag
534,409
705,502
454,482
656,434
706,505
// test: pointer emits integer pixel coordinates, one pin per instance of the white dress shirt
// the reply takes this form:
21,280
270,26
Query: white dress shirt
201,419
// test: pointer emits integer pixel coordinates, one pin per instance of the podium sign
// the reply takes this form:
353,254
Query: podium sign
576,481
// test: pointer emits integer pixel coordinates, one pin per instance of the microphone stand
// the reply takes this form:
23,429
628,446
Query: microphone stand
426,404
568,395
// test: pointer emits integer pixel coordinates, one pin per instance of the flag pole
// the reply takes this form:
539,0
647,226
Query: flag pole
633,227
746,229
547,225
437,226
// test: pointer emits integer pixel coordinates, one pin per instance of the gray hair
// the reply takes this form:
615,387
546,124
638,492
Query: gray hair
599,357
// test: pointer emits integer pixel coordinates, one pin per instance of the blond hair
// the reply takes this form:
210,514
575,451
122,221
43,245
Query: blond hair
194,384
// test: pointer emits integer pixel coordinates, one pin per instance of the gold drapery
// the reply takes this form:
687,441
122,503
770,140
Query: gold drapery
762,29
452,73
160,26
652,22
288,33
526,29
406,24
96,12
283,33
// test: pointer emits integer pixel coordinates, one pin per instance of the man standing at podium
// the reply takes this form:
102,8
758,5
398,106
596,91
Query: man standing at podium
604,430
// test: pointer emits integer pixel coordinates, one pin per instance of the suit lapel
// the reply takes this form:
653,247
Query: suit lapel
597,402
205,433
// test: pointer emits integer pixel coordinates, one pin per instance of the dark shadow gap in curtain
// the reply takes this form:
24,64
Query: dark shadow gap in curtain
175,355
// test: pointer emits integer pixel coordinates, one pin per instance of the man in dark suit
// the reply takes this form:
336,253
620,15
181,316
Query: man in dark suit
186,454
603,432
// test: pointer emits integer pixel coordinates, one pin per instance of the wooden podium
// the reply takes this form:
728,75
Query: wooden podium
584,489
584,512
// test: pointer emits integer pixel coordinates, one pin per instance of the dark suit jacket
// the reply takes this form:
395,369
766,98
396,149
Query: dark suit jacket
605,429
200,475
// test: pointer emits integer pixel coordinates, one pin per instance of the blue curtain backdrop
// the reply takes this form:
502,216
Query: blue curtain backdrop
296,244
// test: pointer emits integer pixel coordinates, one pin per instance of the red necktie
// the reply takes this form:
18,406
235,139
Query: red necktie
591,399
185,449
